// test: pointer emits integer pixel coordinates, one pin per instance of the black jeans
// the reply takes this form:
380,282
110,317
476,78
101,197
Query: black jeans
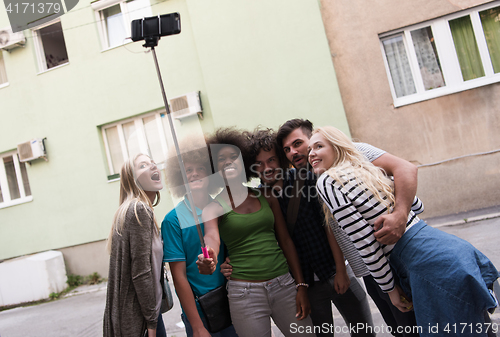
352,305
403,324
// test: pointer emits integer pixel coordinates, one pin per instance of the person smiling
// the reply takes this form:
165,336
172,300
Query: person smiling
258,244
134,290
181,243
445,279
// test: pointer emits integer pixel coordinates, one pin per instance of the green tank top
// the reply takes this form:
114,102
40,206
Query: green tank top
251,243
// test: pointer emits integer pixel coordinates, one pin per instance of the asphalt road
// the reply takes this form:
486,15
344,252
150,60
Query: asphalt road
80,315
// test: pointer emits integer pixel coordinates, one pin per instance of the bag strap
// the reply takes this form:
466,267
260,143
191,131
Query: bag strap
293,205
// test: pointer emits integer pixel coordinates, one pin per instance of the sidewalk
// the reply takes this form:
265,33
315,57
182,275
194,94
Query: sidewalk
80,312
463,218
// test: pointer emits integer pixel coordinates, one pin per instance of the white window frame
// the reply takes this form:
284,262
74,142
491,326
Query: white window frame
39,50
445,47
143,145
2,64
101,5
7,201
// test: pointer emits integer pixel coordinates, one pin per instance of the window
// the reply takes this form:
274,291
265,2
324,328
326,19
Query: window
443,56
145,134
3,73
14,184
50,46
114,18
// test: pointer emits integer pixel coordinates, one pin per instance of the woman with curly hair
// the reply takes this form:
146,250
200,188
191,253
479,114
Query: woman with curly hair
134,291
261,251
446,278
181,243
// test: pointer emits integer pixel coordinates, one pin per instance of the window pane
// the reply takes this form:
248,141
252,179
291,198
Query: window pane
115,149
153,138
26,183
466,47
10,171
491,25
131,139
138,9
1,195
54,47
114,25
3,73
428,60
399,66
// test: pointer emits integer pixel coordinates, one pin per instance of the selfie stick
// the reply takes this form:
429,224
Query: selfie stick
152,42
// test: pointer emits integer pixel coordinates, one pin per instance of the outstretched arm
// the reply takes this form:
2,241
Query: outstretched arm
212,239
390,227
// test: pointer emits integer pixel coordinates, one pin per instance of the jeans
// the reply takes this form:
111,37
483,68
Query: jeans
447,279
160,327
252,305
393,317
352,305
227,332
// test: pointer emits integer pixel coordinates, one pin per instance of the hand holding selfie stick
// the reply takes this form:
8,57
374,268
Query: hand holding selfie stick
150,30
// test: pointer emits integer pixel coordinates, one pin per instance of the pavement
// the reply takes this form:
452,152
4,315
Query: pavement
80,312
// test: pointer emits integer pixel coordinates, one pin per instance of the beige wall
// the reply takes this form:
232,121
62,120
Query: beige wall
87,259
427,132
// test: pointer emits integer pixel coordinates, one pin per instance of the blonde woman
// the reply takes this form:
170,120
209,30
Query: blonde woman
134,291
446,278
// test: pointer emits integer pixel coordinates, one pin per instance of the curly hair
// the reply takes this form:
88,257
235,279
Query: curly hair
173,174
264,139
233,137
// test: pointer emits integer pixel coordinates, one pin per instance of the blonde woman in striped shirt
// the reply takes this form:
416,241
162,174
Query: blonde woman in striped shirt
446,278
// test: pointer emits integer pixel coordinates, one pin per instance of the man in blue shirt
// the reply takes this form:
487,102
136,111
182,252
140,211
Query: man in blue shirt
181,243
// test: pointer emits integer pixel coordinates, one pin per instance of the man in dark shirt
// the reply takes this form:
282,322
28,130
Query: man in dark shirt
293,138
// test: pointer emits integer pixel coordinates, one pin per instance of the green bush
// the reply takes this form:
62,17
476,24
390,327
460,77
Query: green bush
54,296
94,278
74,280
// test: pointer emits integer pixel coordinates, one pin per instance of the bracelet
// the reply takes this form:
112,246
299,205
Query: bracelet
301,285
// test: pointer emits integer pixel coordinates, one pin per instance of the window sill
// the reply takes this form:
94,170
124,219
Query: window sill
438,92
53,68
127,41
16,202
112,179
3,85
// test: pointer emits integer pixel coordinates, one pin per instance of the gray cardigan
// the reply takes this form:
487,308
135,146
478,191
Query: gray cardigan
131,301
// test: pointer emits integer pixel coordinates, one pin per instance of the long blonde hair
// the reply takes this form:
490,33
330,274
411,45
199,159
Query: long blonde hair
349,161
130,193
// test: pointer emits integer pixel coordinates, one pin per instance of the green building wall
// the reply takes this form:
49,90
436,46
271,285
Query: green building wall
254,62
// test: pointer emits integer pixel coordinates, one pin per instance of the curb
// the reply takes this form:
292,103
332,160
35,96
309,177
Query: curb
86,291
466,220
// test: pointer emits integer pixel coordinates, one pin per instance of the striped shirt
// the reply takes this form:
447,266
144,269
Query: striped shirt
355,208
369,151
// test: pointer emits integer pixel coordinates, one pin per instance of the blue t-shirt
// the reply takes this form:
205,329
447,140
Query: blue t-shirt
182,243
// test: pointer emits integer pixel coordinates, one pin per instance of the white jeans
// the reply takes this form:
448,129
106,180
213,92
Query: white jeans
253,304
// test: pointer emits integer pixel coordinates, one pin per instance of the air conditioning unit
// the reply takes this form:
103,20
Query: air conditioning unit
186,105
10,40
31,150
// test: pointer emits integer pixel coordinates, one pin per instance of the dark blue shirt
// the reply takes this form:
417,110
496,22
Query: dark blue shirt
309,235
